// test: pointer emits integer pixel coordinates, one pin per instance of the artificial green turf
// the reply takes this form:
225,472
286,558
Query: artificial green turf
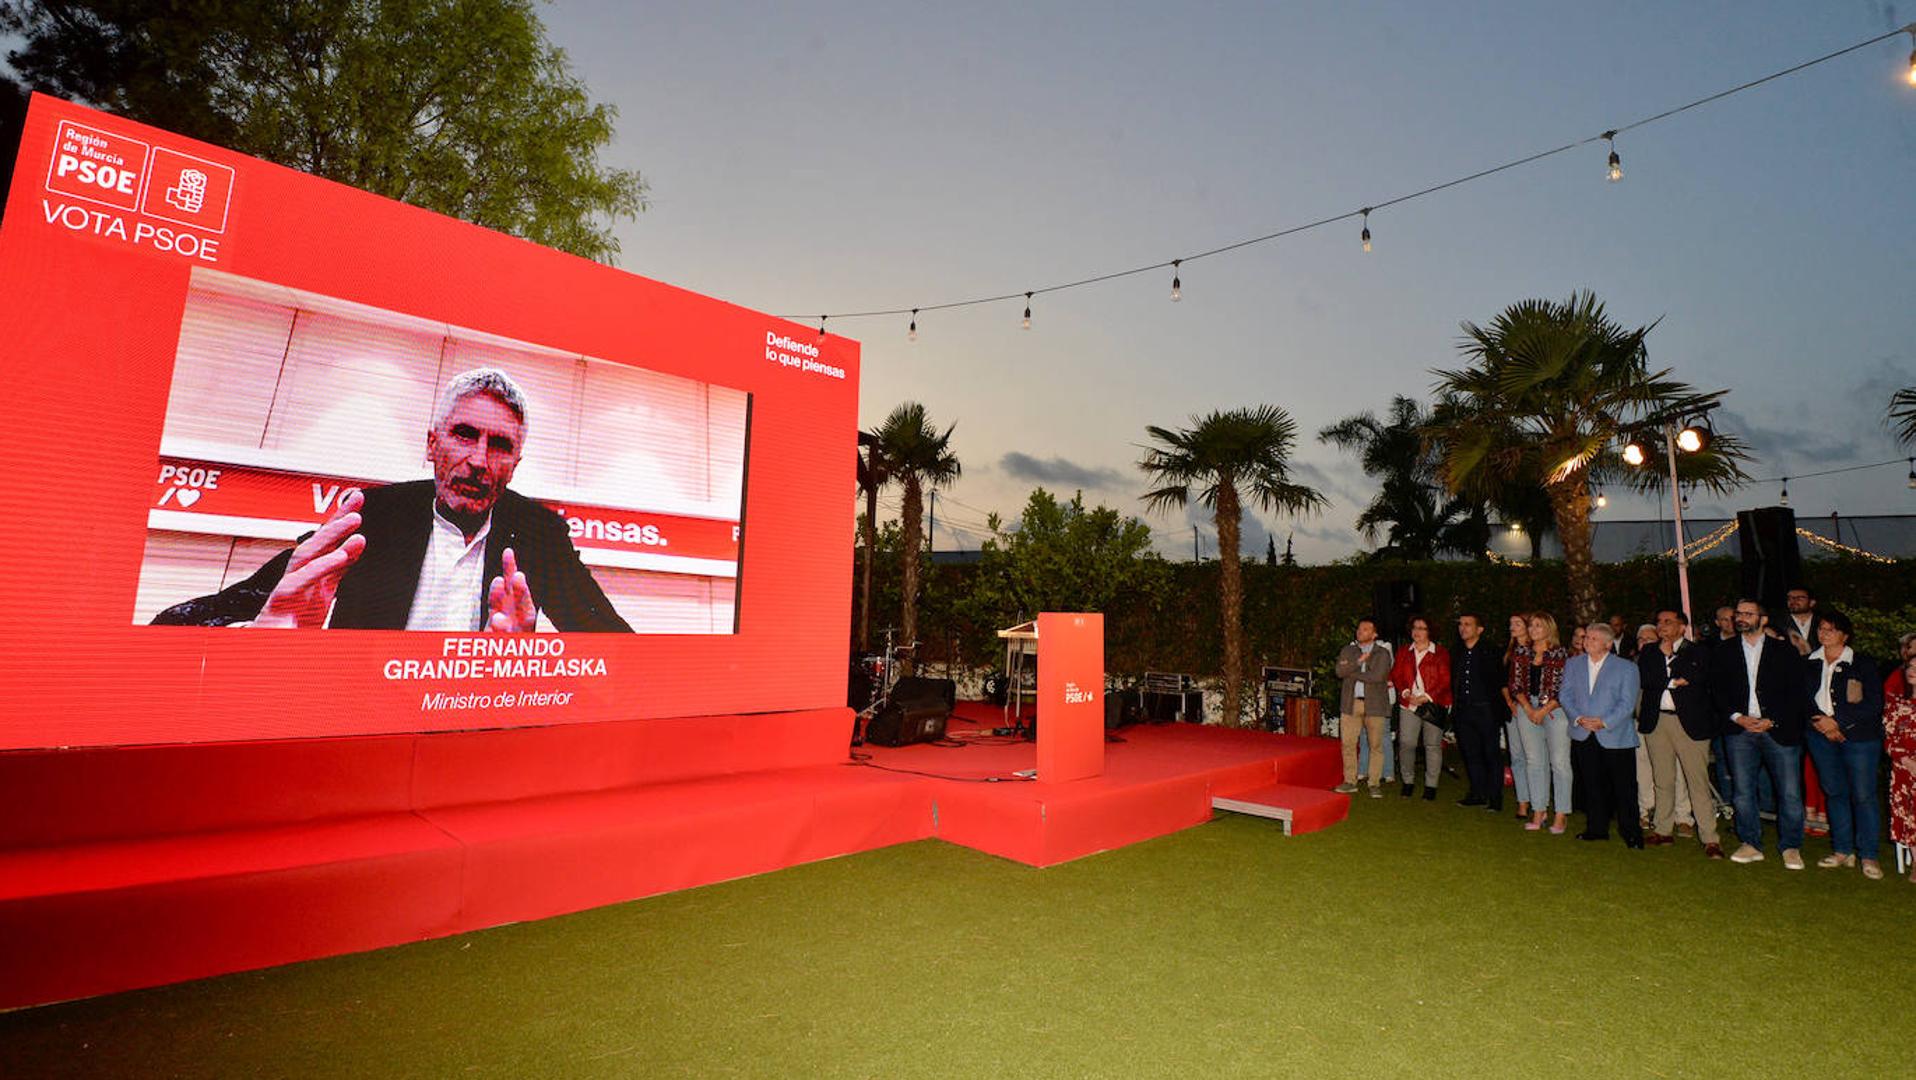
1416,939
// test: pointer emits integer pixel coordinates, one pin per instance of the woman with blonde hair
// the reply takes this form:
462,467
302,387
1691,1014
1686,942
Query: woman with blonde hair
1542,724
1516,659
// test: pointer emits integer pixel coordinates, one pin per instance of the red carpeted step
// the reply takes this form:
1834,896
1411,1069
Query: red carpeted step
1302,809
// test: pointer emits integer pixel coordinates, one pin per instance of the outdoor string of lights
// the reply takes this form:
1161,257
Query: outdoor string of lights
1614,172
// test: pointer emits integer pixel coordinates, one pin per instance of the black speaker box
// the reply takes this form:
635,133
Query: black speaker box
1772,565
1123,707
1394,602
902,723
917,688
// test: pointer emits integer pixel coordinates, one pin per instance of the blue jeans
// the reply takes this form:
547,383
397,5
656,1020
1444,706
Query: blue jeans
1546,751
1519,769
1754,754
1847,771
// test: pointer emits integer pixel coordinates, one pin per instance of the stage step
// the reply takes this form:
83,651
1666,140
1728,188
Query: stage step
1300,809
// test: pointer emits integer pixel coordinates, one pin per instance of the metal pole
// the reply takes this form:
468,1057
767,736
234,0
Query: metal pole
1676,509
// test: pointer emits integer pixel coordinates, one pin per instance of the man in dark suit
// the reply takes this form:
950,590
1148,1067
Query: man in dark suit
1756,687
1476,674
458,552
1676,722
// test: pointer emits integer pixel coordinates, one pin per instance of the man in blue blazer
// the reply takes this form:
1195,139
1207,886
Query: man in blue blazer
1600,691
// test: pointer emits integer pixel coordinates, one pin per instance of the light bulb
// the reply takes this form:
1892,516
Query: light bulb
1689,440
912,334
1027,322
1912,474
1633,454
1177,283
1616,162
1912,61
1602,500
1365,235
1785,499
821,328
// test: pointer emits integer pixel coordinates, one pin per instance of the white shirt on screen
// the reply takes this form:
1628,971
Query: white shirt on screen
450,579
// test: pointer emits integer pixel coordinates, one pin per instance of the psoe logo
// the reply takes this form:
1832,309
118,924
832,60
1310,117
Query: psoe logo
97,166
188,190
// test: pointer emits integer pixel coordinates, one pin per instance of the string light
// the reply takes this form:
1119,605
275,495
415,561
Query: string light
821,327
1602,499
1785,500
1710,541
1912,474
1177,283
1836,545
1633,454
912,334
1694,438
1615,163
1027,322
1912,53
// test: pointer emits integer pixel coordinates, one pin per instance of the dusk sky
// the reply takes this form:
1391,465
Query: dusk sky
846,157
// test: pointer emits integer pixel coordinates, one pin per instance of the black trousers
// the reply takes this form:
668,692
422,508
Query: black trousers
1477,744
1609,788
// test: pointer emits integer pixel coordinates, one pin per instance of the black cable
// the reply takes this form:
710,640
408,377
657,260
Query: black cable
1398,200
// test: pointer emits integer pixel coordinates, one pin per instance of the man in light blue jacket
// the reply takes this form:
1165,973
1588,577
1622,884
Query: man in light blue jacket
1600,691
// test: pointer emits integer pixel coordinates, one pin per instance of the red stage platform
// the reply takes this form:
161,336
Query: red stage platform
1157,780
122,868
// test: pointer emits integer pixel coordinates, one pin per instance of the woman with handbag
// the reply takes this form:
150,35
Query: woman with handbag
1421,675
1845,739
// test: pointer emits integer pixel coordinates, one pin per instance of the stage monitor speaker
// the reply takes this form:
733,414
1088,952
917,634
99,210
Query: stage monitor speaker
902,723
918,688
1772,564
1393,603
1122,708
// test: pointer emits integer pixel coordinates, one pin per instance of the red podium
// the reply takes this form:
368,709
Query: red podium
1070,695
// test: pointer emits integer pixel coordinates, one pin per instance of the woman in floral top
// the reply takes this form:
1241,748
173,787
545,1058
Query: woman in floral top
1536,675
1899,744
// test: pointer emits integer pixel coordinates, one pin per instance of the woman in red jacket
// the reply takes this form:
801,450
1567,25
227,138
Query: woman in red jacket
1421,675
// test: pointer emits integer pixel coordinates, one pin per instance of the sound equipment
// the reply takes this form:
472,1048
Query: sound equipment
902,723
918,688
1122,708
1772,565
1394,602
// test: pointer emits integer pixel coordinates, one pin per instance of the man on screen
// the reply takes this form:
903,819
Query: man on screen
458,552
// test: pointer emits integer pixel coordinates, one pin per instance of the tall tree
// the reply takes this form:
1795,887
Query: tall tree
1548,388
1417,517
917,457
872,475
1231,454
1902,415
459,106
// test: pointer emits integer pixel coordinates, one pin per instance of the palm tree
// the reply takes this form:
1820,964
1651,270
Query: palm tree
872,475
1232,454
1548,390
1902,415
1410,506
917,457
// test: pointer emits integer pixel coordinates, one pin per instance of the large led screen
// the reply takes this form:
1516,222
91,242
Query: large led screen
295,460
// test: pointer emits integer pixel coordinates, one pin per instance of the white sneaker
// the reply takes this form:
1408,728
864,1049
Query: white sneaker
1345,789
1792,859
1748,854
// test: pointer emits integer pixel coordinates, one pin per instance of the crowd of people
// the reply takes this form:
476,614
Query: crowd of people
1661,730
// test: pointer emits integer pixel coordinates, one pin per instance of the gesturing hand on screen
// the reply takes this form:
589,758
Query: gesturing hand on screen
305,592
509,607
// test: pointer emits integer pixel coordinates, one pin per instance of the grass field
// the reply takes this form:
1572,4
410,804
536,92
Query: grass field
1416,939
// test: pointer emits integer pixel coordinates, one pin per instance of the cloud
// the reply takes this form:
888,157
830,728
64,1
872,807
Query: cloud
1807,444
1061,472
